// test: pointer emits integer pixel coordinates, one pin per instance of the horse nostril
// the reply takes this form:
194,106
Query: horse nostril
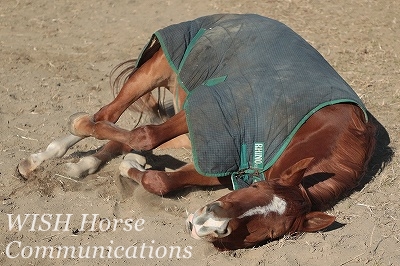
189,223
211,207
189,226
216,208
222,232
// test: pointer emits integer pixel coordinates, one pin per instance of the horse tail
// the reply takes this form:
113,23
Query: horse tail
148,104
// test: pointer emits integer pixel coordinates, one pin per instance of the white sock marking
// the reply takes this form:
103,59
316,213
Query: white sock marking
132,160
86,166
55,149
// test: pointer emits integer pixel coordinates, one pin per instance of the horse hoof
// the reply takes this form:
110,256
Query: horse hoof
132,161
86,166
140,159
28,165
24,168
78,122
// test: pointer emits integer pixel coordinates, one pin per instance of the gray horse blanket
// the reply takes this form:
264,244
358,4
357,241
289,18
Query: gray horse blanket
251,83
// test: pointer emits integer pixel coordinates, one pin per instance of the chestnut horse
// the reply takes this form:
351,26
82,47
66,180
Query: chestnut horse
323,160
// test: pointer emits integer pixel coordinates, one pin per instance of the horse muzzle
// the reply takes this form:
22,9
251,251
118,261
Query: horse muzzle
205,225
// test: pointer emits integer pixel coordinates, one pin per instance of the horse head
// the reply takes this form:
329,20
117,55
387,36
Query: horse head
266,210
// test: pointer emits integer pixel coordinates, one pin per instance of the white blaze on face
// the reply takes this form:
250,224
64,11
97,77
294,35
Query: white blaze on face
277,205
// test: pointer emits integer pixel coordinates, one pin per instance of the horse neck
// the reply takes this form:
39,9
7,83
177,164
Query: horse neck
341,144
332,178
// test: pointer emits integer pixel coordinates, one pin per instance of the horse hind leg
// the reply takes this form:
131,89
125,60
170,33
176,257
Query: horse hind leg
90,164
161,182
55,149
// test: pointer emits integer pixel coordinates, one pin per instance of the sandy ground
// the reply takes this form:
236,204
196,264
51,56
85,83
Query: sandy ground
55,60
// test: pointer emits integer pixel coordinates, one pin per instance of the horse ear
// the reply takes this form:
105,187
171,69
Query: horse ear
293,175
315,221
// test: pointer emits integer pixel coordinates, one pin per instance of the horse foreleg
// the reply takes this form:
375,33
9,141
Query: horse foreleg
161,182
55,149
90,164
141,138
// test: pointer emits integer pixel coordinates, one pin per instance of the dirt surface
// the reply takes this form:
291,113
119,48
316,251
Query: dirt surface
55,60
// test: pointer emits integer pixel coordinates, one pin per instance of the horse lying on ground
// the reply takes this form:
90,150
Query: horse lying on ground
264,112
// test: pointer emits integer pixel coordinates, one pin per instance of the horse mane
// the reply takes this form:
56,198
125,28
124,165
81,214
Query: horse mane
356,144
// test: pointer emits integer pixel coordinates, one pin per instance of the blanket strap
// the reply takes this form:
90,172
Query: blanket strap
248,175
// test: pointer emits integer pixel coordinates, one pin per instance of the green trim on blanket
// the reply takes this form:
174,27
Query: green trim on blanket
285,143
165,50
190,48
251,175
293,77
214,81
177,69
169,59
